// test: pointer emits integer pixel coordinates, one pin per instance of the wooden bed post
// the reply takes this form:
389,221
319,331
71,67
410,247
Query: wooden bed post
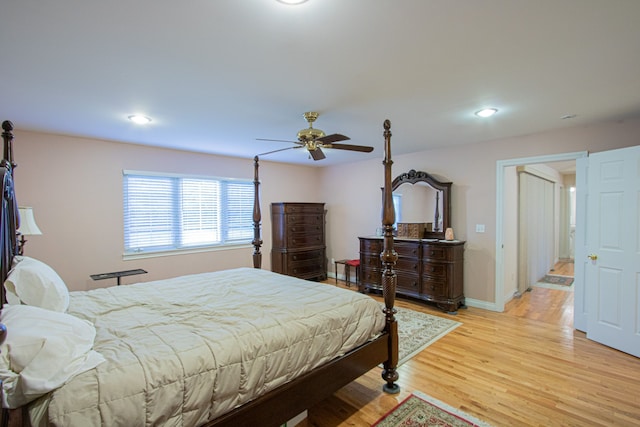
7,137
257,217
10,217
389,278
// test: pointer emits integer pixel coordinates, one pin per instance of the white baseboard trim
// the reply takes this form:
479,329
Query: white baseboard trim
486,305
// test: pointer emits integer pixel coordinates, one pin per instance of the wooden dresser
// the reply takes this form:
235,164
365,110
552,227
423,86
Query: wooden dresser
298,240
427,269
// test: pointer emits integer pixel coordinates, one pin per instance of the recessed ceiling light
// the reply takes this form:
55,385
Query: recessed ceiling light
486,112
140,119
291,1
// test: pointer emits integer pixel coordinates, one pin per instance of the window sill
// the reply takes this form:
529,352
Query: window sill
126,257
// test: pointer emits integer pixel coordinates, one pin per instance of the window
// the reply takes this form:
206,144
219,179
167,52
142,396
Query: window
176,212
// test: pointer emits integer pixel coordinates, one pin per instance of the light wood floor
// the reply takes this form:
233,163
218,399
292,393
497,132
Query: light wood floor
563,268
524,367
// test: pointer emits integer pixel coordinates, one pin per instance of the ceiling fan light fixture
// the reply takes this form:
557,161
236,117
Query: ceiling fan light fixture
139,119
486,112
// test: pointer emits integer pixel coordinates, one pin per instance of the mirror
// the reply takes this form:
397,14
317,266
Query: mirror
419,198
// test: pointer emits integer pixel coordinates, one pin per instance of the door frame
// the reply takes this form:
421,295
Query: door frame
500,172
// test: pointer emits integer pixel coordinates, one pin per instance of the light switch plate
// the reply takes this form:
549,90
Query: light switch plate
479,228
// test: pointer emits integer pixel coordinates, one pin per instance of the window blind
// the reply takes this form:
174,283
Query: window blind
166,213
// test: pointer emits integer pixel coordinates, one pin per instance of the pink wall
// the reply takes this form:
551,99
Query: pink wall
75,188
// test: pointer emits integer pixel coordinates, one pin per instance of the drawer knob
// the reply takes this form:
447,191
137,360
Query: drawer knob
433,269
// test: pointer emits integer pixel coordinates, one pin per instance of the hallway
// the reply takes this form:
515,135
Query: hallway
553,306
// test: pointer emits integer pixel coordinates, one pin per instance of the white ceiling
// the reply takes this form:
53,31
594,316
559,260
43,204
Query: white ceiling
214,75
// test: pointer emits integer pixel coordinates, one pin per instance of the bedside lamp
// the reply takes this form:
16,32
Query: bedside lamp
28,226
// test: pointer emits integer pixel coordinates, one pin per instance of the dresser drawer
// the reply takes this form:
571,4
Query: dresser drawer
302,240
434,288
370,260
371,245
309,270
304,208
433,269
406,249
408,282
409,265
297,257
303,228
370,275
435,252
293,220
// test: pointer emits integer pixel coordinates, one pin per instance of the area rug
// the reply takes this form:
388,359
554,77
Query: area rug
419,410
555,279
417,330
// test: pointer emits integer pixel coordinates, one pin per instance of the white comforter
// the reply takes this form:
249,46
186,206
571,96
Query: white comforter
186,350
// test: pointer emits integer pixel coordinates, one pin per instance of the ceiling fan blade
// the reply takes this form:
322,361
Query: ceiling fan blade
317,154
279,140
282,149
361,148
334,137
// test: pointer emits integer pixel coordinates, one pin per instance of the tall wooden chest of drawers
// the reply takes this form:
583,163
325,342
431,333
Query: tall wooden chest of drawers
298,240
426,269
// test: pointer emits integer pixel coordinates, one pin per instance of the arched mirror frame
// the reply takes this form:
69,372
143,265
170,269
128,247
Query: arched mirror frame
413,177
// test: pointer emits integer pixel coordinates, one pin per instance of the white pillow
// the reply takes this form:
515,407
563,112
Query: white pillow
43,349
32,282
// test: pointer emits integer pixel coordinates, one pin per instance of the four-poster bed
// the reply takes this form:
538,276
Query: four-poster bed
279,394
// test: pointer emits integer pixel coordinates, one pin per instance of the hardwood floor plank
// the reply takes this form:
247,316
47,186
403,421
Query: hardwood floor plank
524,367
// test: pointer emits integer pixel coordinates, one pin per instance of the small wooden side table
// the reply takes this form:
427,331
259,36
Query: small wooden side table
117,274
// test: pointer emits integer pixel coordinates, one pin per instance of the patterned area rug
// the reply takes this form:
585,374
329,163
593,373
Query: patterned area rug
555,279
421,410
417,330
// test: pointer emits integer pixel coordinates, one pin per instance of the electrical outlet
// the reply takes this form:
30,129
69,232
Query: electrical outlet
479,228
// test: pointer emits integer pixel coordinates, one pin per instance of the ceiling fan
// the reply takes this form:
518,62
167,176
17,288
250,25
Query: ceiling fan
314,140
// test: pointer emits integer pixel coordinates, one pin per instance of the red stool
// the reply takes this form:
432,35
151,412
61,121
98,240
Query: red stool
355,263
348,263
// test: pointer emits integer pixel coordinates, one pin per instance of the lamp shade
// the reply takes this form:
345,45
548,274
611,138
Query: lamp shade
28,226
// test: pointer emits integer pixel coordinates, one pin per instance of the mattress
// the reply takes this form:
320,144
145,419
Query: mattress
186,350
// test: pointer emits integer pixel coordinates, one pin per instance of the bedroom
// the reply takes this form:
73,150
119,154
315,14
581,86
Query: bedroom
77,247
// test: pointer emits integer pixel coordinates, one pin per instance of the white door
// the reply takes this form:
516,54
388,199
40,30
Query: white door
580,318
612,271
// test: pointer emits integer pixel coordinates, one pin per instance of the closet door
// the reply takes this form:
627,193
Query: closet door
536,240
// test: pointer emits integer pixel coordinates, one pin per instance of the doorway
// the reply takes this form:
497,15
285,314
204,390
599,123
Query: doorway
545,229
506,238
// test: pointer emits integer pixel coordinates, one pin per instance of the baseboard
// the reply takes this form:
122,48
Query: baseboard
486,305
